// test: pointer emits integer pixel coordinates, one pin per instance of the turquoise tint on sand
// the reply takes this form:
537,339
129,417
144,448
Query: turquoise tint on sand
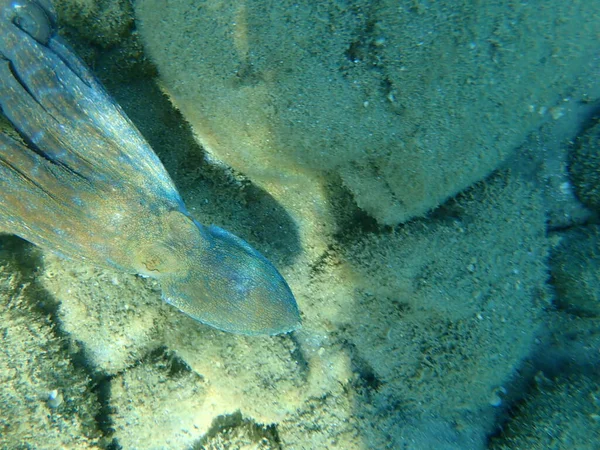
85,184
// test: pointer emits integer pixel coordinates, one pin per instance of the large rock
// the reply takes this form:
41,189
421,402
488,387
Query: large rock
585,167
554,415
575,268
405,103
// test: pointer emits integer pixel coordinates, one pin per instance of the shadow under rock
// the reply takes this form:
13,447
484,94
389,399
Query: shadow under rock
236,429
27,259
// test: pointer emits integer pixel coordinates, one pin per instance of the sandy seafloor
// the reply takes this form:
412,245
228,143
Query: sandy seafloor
454,308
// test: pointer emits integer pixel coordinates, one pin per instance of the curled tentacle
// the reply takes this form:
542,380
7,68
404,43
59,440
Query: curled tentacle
36,18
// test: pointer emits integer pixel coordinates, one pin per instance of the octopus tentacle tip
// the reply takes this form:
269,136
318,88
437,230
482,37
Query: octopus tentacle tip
36,18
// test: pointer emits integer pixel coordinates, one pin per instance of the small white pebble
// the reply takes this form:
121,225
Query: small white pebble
55,399
497,394
566,188
557,112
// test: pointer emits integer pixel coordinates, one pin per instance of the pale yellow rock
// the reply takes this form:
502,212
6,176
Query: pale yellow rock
404,104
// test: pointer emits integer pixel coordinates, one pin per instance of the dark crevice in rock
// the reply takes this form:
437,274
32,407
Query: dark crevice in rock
230,427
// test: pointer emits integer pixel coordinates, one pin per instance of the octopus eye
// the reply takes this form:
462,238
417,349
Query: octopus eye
156,260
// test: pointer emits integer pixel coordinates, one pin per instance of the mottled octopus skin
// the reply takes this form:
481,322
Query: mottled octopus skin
84,183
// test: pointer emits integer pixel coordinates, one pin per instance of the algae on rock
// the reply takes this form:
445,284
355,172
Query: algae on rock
34,364
566,409
407,104
585,167
575,266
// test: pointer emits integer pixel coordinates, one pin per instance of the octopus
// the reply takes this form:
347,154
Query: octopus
80,180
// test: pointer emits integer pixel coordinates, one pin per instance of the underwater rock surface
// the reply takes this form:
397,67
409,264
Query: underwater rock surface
575,266
414,336
566,409
584,167
405,103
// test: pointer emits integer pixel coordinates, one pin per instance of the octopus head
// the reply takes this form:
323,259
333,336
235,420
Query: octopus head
219,279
